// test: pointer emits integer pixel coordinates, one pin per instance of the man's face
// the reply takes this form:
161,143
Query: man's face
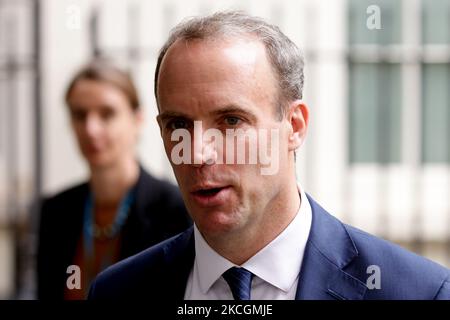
225,85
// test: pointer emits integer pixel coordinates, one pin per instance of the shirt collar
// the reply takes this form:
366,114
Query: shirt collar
278,263
210,264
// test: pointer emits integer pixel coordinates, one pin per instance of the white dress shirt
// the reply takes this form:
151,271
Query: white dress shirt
276,267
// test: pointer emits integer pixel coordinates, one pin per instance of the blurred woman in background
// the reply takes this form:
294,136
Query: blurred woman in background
122,209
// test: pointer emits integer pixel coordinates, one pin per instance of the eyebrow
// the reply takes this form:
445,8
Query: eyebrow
229,109
79,107
166,115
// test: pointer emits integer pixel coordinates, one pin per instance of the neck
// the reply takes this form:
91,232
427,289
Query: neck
278,214
109,184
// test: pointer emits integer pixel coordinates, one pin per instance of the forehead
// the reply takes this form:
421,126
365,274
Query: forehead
94,93
215,70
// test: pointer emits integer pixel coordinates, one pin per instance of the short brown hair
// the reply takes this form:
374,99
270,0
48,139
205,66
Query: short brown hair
105,71
285,57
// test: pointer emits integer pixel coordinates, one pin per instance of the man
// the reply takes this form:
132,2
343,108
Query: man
257,235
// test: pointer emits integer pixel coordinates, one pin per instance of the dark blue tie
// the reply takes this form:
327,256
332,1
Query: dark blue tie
240,282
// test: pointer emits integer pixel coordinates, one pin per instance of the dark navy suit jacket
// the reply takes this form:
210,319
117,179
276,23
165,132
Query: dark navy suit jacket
334,266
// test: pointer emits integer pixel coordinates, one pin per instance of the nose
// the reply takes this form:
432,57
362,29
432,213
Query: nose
93,126
209,153
204,149
204,153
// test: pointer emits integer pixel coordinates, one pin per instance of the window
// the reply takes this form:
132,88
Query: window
375,84
436,81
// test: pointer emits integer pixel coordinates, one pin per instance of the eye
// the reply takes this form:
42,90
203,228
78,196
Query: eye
177,124
107,114
78,115
232,121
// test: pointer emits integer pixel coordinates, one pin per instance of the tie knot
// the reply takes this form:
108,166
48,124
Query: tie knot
240,282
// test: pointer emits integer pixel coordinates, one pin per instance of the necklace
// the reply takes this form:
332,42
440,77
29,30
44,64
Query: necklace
92,230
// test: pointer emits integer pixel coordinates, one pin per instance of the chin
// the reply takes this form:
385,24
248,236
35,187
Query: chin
217,223
98,161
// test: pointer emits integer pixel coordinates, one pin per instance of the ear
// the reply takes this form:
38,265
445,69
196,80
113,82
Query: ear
158,119
298,120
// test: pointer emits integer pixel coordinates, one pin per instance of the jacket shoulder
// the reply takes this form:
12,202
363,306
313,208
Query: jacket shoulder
64,196
403,274
62,205
159,192
159,203
160,186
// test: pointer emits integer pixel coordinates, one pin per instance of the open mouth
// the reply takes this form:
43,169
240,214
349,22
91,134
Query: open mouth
208,192
209,197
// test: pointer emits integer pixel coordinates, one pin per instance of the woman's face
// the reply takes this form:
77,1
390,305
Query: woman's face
104,122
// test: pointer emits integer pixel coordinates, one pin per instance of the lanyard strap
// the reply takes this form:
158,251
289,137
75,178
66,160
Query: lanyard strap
91,231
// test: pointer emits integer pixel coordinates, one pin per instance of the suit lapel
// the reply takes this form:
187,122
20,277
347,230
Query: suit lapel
137,222
179,258
328,251
73,220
